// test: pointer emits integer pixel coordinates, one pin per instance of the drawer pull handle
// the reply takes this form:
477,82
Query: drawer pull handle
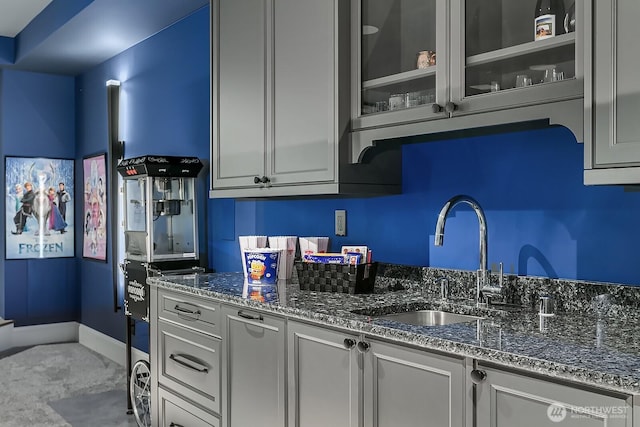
187,365
175,425
186,310
250,317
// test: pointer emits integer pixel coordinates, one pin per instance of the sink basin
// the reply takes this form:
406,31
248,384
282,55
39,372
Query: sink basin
429,317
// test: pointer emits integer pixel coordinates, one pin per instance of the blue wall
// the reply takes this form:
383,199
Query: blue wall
37,120
541,219
164,109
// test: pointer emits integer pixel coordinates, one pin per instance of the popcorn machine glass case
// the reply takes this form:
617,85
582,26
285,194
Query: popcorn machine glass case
160,222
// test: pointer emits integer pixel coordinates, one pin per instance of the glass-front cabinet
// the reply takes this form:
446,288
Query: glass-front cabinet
427,59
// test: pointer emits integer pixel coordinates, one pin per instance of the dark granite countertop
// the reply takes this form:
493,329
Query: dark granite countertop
593,348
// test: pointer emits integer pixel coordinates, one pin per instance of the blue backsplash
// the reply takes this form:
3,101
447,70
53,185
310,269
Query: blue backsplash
541,219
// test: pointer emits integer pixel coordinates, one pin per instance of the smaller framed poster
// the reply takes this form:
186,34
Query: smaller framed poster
94,219
39,210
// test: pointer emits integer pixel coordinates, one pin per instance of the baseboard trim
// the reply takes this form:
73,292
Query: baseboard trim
24,336
6,336
107,346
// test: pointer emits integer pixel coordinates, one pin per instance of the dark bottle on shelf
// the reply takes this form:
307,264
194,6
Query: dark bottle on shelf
549,18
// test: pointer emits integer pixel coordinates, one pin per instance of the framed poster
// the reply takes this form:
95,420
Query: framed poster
39,212
94,221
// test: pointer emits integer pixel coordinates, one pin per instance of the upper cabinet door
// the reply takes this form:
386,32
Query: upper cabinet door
400,60
616,86
499,60
304,91
239,121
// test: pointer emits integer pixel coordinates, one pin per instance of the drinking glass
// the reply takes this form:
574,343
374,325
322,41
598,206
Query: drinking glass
523,80
550,75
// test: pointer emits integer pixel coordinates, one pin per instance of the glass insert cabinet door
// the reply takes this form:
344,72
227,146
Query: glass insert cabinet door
428,59
509,55
401,59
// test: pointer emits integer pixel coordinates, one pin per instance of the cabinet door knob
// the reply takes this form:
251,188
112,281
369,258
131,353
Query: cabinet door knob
450,107
349,343
261,180
478,375
436,108
363,346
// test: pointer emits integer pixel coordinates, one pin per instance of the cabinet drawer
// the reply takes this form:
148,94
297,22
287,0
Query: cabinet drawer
192,312
189,363
175,411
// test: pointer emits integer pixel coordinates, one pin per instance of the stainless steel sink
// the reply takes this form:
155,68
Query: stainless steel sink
429,317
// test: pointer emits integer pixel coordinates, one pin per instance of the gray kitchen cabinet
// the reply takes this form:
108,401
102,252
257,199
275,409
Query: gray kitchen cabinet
612,95
342,379
324,377
480,48
185,358
280,102
412,388
506,399
175,411
239,102
254,370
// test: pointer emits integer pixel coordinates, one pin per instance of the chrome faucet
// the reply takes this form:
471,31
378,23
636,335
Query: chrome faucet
482,281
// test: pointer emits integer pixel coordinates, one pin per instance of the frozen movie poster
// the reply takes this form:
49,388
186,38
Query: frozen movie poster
94,223
39,208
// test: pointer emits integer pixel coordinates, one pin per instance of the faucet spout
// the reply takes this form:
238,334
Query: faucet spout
442,219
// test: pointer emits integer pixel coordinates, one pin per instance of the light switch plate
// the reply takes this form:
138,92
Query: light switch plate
341,222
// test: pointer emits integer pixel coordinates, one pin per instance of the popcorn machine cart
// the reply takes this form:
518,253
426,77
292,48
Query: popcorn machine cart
160,238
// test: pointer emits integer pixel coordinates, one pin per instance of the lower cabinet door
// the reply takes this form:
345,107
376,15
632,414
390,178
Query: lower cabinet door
255,370
505,399
177,412
324,377
412,388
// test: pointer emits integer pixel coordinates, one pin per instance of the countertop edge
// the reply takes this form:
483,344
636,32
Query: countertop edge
526,364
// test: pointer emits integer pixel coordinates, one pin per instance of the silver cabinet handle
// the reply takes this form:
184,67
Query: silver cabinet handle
478,376
186,310
178,359
436,108
250,317
363,346
349,343
261,180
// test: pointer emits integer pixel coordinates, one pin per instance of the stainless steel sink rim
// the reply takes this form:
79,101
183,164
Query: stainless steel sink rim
429,317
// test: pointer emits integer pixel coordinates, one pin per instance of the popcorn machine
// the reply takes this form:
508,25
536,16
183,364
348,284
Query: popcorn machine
160,238
160,223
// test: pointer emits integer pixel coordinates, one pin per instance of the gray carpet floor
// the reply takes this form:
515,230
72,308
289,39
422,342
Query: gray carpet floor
61,385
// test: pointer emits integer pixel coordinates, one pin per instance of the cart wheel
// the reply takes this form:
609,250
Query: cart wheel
140,388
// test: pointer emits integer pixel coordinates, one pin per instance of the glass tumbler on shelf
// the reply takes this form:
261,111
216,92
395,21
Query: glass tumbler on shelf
523,80
397,101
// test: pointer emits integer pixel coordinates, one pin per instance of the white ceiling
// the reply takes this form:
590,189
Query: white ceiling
16,14
72,36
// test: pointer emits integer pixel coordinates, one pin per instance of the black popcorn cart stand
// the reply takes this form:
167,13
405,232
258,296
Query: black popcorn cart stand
160,238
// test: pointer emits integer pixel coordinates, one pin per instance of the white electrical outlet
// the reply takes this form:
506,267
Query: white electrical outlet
341,223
